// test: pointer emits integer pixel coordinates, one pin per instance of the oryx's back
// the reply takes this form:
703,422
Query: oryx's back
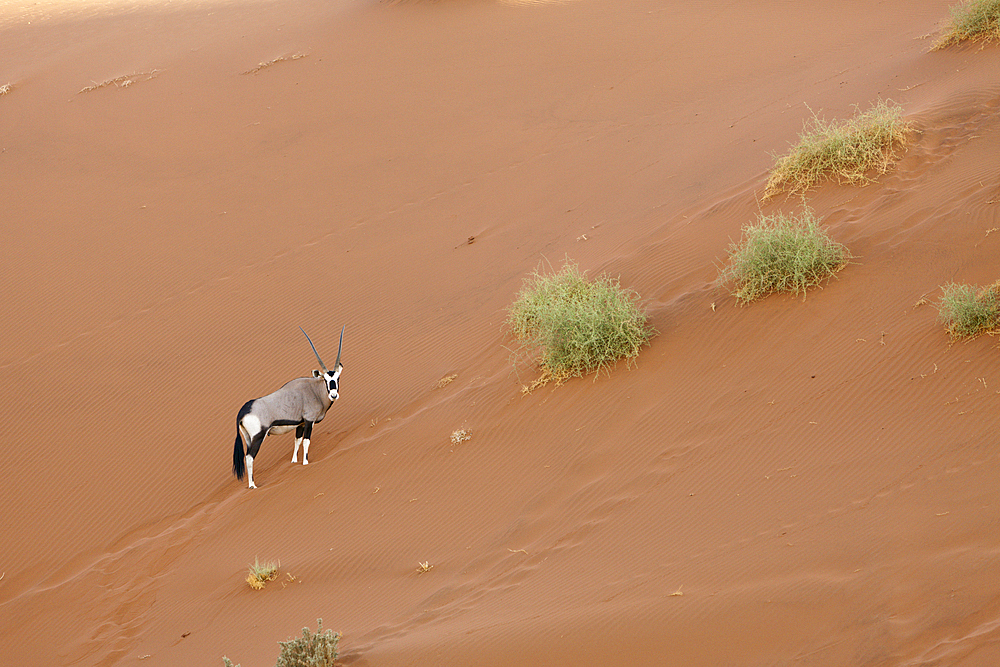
301,399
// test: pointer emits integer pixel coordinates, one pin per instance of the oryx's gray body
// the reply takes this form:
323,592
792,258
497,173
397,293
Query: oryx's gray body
298,405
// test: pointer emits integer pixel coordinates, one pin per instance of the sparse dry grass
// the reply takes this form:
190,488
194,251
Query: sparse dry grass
273,61
460,435
6,88
845,151
123,81
975,20
967,311
447,380
781,253
261,573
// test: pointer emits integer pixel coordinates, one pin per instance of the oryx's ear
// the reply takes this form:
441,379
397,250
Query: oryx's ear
316,374
340,367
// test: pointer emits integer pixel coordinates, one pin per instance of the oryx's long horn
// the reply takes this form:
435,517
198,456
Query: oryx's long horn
322,365
341,348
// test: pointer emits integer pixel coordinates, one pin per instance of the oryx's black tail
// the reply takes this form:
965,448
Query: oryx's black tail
239,462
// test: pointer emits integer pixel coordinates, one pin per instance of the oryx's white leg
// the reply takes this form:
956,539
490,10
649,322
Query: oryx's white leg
250,472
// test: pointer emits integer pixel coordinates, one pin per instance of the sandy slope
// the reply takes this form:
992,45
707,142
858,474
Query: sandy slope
787,483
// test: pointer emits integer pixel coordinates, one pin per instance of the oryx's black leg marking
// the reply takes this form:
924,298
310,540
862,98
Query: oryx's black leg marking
299,430
307,428
255,442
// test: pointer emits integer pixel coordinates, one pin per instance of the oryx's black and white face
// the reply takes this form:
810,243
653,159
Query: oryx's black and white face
332,380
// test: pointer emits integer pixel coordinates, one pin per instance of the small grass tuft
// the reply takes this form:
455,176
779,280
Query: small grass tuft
781,253
261,573
845,151
575,325
976,20
967,311
460,435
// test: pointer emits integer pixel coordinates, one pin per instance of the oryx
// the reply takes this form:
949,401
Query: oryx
299,404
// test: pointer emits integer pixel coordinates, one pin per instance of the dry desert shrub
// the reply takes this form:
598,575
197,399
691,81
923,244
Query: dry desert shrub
976,20
575,325
967,311
313,649
781,253
845,151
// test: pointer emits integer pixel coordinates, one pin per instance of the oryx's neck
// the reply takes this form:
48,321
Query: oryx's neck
318,387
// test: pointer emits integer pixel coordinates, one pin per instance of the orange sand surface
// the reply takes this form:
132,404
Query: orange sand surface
187,182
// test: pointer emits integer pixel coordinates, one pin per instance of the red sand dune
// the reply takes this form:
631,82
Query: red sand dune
793,482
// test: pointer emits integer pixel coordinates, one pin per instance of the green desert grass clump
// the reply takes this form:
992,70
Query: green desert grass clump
845,151
781,253
967,311
971,20
261,573
575,325
312,649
